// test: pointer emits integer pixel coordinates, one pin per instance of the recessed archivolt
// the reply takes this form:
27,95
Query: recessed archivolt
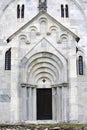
44,64
43,70
39,63
43,55
45,60
41,75
54,66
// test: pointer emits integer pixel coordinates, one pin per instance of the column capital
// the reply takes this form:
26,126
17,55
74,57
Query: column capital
28,85
23,85
65,84
60,85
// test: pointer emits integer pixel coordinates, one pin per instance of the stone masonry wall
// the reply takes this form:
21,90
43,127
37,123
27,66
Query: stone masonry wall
40,128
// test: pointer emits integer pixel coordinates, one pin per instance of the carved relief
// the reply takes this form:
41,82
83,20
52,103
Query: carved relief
42,5
43,25
22,38
32,34
64,38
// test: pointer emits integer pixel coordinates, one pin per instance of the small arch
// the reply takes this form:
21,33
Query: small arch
43,25
22,38
64,38
18,11
53,28
43,19
33,28
8,60
33,35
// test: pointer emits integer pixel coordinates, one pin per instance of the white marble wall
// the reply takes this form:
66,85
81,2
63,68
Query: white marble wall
30,41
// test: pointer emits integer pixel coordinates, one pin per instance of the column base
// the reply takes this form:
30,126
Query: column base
73,121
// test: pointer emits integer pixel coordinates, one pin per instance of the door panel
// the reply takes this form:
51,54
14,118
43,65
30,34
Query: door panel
44,104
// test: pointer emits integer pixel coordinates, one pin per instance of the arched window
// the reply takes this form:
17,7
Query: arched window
80,65
66,11
22,11
62,11
8,60
18,11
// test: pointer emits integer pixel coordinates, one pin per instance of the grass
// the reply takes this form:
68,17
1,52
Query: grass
43,125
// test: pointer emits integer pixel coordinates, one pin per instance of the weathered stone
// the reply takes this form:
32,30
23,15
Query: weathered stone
77,128
56,128
65,128
4,98
44,54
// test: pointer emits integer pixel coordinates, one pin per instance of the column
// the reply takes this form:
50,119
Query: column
24,103
54,104
65,103
14,105
34,104
73,97
59,103
30,104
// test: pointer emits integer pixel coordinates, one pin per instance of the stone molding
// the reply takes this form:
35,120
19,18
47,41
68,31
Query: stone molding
28,85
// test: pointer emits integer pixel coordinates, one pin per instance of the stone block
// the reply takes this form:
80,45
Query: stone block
66,129
28,129
56,128
4,98
7,129
77,128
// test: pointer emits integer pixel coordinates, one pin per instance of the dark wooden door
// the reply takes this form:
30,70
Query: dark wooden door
44,104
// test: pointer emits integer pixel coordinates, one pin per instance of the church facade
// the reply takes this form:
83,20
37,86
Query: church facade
43,61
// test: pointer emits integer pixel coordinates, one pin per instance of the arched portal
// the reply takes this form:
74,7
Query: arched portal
45,87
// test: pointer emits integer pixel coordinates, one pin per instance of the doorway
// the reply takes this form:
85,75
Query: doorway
44,104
